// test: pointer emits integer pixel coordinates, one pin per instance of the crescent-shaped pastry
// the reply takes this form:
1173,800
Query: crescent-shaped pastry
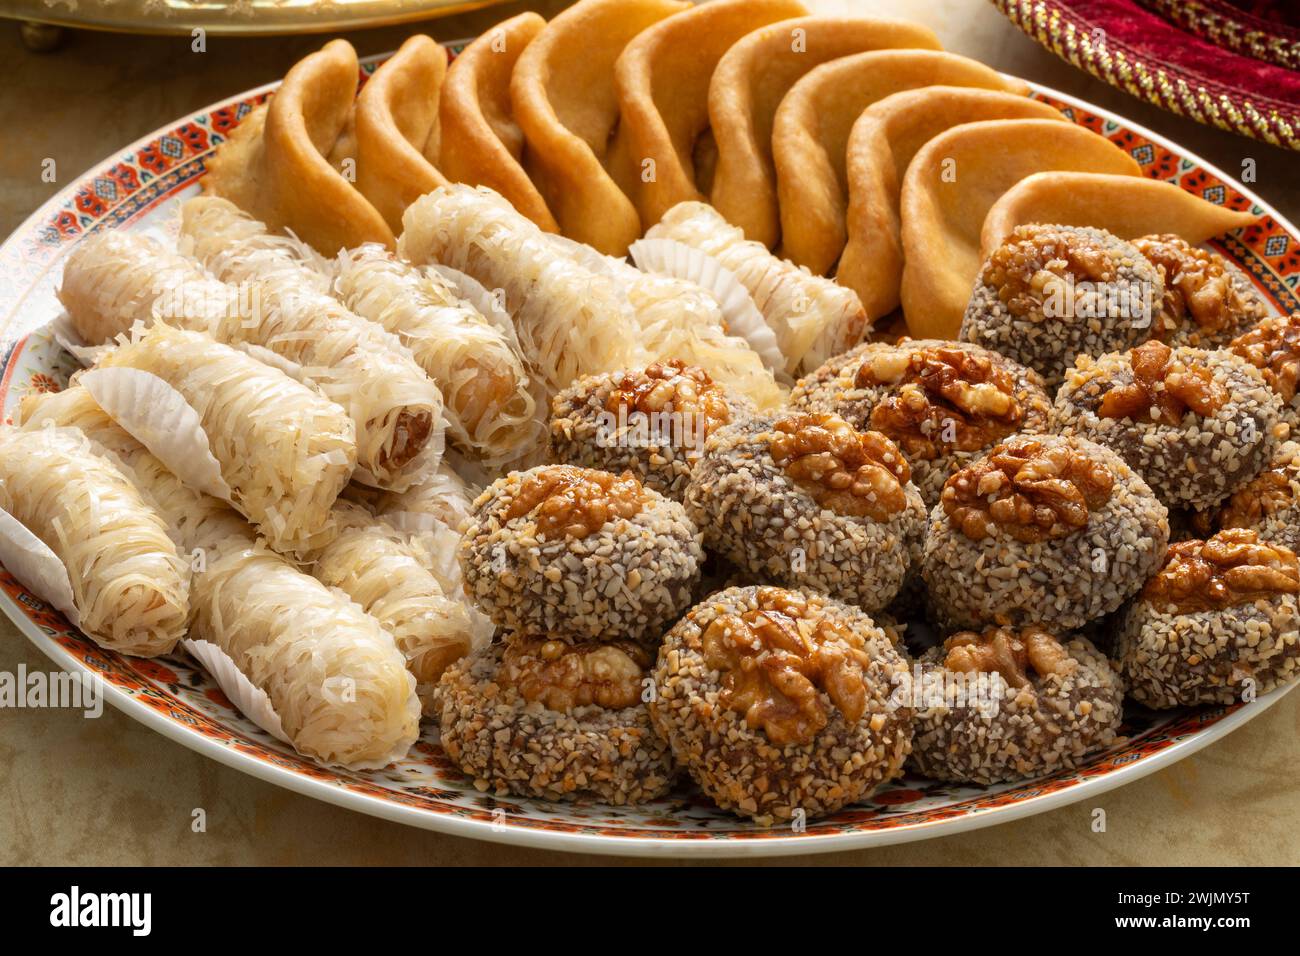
811,132
747,86
274,164
1128,207
949,188
482,145
397,129
562,93
662,78
883,141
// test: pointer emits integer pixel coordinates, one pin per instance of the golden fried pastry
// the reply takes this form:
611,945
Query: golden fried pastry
883,141
811,132
481,144
748,84
396,129
1128,207
665,154
274,165
562,93
949,188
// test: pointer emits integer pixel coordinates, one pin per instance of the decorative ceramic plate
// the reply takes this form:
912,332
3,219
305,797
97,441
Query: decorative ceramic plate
1208,61
138,187
236,17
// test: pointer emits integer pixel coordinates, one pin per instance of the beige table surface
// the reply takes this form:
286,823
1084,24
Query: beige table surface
109,791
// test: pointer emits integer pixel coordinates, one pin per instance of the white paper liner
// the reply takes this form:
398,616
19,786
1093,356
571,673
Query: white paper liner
441,544
249,700
162,420
673,258
65,334
31,561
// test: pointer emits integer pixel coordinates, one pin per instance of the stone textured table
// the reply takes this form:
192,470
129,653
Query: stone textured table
109,791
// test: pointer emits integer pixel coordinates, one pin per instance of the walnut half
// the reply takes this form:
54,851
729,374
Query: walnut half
1162,390
674,387
567,500
1198,286
1032,491
778,658
937,389
1233,567
1008,652
845,470
564,676
1273,347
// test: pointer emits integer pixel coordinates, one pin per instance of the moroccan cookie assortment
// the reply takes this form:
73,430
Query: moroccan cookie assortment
546,395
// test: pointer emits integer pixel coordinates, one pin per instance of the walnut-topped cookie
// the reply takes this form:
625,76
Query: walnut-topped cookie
540,715
1004,703
1197,424
942,403
1051,293
594,555
804,499
1217,623
778,701
1273,347
651,421
1045,529
1206,301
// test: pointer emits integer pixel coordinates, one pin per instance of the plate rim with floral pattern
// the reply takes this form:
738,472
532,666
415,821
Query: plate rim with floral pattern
175,698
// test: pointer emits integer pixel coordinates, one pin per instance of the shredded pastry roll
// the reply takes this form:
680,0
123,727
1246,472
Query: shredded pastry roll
333,674
129,585
284,450
396,408
196,520
202,522
813,318
490,410
679,319
444,498
570,321
384,571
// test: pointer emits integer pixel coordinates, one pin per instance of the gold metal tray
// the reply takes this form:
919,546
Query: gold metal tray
233,17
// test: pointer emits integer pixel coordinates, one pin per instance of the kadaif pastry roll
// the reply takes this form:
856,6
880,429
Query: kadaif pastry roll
126,586
282,451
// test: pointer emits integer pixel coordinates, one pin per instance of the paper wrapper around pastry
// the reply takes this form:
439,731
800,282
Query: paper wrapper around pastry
31,561
162,420
742,318
249,700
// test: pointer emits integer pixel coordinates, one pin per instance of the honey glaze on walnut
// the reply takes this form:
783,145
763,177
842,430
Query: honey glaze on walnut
1269,493
1198,286
849,472
1233,567
1024,269
1009,652
1273,347
686,391
1028,490
778,659
945,399
572,501
1162,390
564,676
